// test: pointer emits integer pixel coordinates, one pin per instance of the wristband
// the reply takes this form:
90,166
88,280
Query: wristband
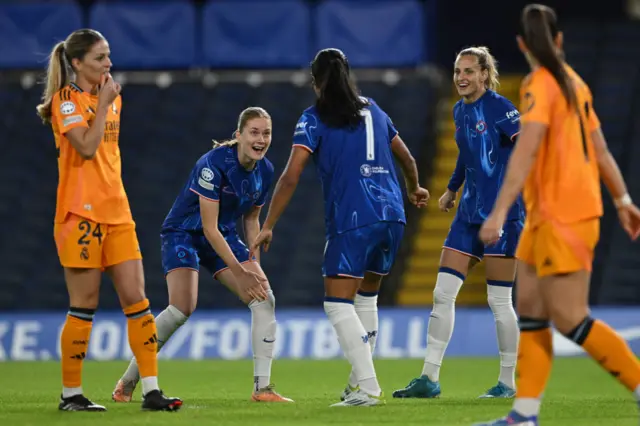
623,201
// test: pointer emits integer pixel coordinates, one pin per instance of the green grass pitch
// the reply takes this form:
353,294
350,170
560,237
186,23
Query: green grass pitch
217,393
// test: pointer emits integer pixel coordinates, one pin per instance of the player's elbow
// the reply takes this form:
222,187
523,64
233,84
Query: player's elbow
289,180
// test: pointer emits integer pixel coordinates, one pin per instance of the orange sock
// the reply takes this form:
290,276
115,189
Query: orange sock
609,350
143,337
74,342
535,355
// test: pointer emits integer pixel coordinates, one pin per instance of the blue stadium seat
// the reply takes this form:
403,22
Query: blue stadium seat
372,34
273,34
148,35
28,31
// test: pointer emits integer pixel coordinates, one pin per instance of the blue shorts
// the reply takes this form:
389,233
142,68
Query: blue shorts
371,248
463,238
181,249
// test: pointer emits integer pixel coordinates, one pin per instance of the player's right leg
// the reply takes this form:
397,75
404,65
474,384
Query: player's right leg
180,265
80,255
460,253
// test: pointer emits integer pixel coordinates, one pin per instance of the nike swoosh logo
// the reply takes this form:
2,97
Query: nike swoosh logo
268,341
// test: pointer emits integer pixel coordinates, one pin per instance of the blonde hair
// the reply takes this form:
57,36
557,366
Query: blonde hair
60,70
246,115
487,62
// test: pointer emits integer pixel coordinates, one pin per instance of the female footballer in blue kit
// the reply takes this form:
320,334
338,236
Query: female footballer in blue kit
353,143
229,182
486,128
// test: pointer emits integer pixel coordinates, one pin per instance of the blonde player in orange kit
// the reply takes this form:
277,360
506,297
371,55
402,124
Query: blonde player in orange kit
94,230
559,157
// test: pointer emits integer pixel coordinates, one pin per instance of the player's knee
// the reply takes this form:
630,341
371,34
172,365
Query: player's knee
567,321
579,332
187,309
444,295
499,298
131,296
85,299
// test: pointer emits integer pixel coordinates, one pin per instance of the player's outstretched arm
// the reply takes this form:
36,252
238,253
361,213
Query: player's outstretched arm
612,177
416,194
286,185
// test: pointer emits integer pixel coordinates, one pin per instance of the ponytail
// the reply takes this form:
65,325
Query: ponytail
229,142
539,28
58,76
338,103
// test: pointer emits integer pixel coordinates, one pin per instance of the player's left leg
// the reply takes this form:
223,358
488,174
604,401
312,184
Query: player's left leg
123,262
366,306
500,273
263,325
500,266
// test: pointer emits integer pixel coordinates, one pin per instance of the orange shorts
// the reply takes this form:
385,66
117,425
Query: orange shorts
83,243
555,248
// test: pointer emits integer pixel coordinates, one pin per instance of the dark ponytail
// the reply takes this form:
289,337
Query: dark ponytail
338,103
539,29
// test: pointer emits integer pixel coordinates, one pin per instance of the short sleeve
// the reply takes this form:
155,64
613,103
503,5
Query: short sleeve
305,134
66,111
535,100
206,178
267,178
508,120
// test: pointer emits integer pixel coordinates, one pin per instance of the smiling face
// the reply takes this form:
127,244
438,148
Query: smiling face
254,138
469,77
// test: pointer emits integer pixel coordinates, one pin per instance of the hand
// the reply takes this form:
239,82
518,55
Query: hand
447,201
263,239
629,217
419,197
491,230
108,90
251,285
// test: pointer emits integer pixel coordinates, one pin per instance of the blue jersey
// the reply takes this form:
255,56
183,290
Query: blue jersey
356,168
219,176
485,133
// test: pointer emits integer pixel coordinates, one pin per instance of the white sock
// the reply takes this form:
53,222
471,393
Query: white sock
167,322
263,336
441,323
354,342
69,392
366,307
636,394
527,406
149,384
507,330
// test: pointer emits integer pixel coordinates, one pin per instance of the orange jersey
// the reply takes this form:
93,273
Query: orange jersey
564,184
92,189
